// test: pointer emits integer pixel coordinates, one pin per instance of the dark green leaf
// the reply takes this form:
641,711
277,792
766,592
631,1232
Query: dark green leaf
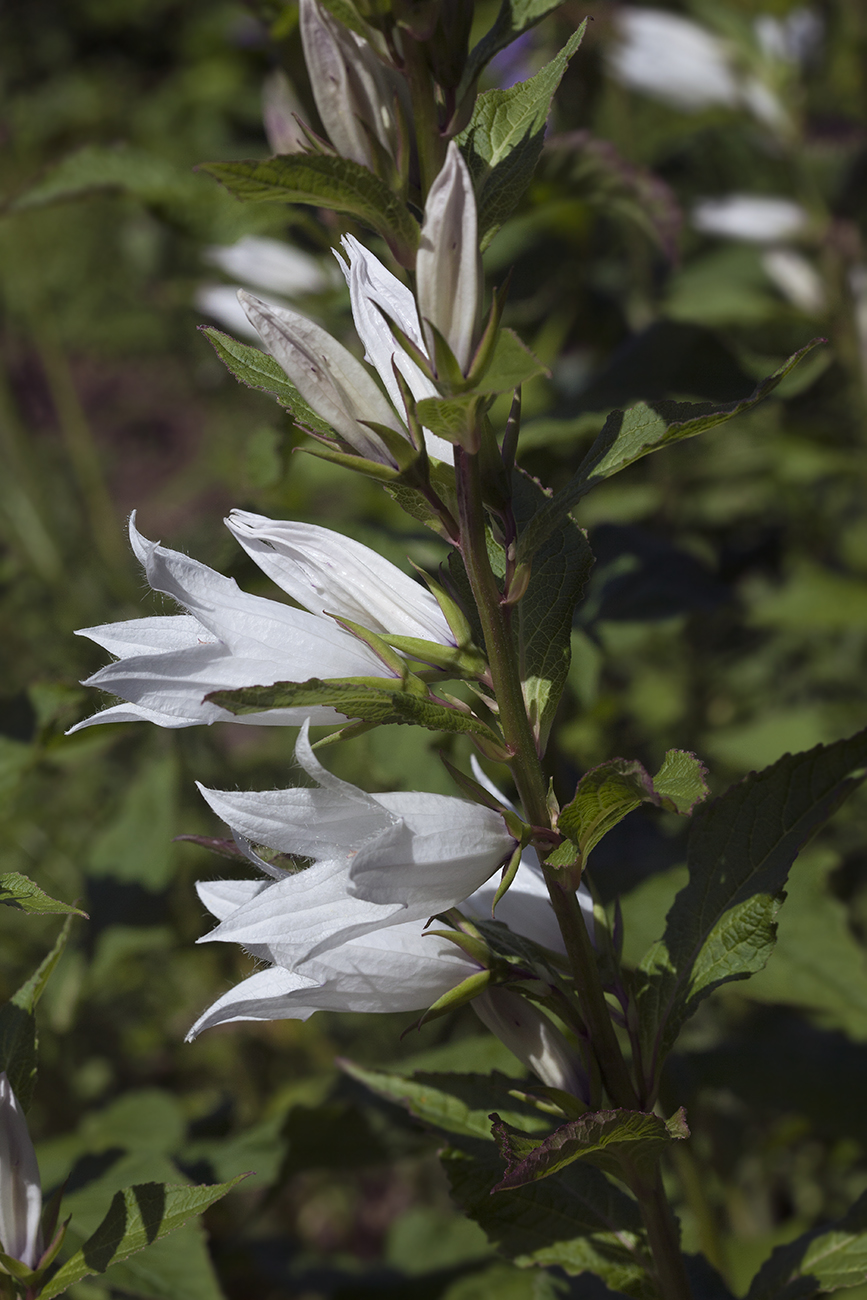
455,1103
741,846
503,142
258,369
136,1217
371,701
630,435
576,1219
612,1140
324,182
18,1024
20,892
825,1260
543,617
511,365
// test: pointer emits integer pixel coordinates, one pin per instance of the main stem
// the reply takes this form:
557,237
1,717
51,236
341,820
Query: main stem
530,781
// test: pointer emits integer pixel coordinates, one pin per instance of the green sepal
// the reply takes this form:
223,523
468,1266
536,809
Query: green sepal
380,647
462,663
510,870
349,460
412,349
487,344
406,456
21,1272
472,789
452,612
464,992
553,1101
476,949
449,375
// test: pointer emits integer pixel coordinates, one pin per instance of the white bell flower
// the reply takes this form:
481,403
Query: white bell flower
270,264
753,218
533,1038
229,639
20,1185
448,267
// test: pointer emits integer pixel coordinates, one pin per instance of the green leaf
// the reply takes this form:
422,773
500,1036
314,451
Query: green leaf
630,435
137,1216
612,1140
371,701
258,369
20,892
136,844
324,182
99,167
741,846
455,1103
503,142
576,1219
824,1260
543,617
515,17
608,793
18,1040
453,418
511,365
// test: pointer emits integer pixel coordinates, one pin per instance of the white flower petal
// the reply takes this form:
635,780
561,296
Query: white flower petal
672,59
755,218
220,301
331,574
142,635
309,823
223,897
533,1039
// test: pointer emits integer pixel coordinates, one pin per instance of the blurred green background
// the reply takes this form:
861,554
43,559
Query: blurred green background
727,614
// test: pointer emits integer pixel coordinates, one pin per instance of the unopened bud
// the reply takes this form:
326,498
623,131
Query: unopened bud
280,110
533,1038
20,1186
448,266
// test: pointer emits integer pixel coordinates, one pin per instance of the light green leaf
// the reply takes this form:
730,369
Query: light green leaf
822,1261
137,1216
630,435
612,1140
258,369
20,892
515,17
100,167
455,1103
369,701
741,846
576,1219
503,142
453,418
511,365
609,792
324,182
542,619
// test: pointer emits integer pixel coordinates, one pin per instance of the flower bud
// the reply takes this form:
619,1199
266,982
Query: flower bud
20,1186
280,110
351,86
448,267
533,1038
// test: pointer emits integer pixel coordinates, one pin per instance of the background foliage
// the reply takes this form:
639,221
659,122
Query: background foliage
727,614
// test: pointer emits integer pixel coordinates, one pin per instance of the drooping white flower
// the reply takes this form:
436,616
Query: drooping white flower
353,90
281,109
795,38
797,279
228,639
448,268
754,218
20,1186
328,573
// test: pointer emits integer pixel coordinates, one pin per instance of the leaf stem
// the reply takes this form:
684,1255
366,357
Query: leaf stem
663,1238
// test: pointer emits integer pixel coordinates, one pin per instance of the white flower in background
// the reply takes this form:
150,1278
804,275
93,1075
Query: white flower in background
281,109
797,279
448,268
684,64
794,39
229,639
271,265
354,90
754,218
20,1186
268,264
